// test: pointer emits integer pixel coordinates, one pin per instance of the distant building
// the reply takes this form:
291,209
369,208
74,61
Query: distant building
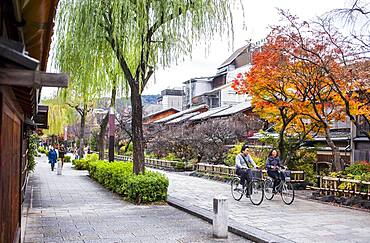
359,142
216,91
171,98
195,87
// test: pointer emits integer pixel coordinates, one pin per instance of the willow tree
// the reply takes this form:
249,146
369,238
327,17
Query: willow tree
59,116
145,35
90,63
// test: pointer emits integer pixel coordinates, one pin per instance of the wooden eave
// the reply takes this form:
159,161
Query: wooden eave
38,28
12,51
32,79
41,118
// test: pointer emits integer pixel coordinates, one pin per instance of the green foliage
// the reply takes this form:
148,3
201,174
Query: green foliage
259,156
118,177
357,171
268,139
303,159
150,187
130,149
231,155
359,168
346,186
83,164
84,27
32,151
59,116
172,157
151,156
94,141
67,159
180,166
42,150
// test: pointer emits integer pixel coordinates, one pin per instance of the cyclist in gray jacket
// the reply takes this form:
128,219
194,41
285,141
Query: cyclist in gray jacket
242,164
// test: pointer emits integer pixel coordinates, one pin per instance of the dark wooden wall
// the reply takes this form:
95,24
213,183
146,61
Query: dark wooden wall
10,168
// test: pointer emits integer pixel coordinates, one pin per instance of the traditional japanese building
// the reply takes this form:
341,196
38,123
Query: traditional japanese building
25,35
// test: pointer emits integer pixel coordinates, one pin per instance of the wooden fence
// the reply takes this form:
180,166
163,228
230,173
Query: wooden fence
222,170
154,163
343,187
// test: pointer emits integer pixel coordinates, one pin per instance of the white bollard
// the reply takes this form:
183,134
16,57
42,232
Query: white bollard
220,216
59,168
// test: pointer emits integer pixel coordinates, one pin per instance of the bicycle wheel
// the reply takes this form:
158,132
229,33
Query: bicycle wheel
287,193
236,189
269,184
256,192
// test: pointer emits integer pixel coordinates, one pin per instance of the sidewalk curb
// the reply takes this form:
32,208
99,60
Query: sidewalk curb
245,231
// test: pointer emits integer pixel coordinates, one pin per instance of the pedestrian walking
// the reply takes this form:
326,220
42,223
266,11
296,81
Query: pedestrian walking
62,152
52,156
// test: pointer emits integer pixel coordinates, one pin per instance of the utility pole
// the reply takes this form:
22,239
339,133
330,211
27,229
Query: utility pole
111,131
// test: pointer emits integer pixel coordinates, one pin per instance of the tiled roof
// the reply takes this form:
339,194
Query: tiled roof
207,114
234,109
183,118
181,113
161,111
233,56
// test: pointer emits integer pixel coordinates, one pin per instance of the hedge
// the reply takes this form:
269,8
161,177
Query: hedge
42,150
119,177
83,164
67,159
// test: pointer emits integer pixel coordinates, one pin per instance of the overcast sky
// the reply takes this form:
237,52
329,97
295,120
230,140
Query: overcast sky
259,15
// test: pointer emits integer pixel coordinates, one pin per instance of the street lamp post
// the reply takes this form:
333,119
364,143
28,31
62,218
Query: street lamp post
111,130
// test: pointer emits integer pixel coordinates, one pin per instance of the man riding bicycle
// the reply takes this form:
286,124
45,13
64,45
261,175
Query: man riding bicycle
272,165
242,162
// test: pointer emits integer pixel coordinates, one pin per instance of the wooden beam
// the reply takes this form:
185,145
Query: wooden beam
18,57
32,79
15,45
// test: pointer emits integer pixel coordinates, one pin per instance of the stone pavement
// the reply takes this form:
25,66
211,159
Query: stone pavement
74,208
303,221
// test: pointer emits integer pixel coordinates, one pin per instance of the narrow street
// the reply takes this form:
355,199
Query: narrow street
303,221
74,208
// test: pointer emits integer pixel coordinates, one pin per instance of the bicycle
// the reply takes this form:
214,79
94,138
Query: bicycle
254,189
285,188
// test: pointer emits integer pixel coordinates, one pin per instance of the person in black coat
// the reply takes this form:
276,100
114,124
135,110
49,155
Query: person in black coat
272,165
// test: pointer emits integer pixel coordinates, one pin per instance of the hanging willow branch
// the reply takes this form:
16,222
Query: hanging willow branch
132,28
93,35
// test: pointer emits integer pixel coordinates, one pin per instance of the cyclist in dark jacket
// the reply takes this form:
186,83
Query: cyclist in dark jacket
272,165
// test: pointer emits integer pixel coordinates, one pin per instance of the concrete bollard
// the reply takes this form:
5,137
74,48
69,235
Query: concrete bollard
220,216
59,168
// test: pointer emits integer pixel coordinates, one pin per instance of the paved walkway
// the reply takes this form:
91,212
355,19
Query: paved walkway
303,221
74,208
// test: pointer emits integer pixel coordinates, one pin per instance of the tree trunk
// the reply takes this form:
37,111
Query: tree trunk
101,138
282,145
104,124
337,164
82,131
137,129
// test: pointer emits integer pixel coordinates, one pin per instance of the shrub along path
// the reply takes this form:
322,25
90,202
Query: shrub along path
303,221
74,208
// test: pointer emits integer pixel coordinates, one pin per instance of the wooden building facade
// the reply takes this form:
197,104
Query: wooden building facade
25,35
